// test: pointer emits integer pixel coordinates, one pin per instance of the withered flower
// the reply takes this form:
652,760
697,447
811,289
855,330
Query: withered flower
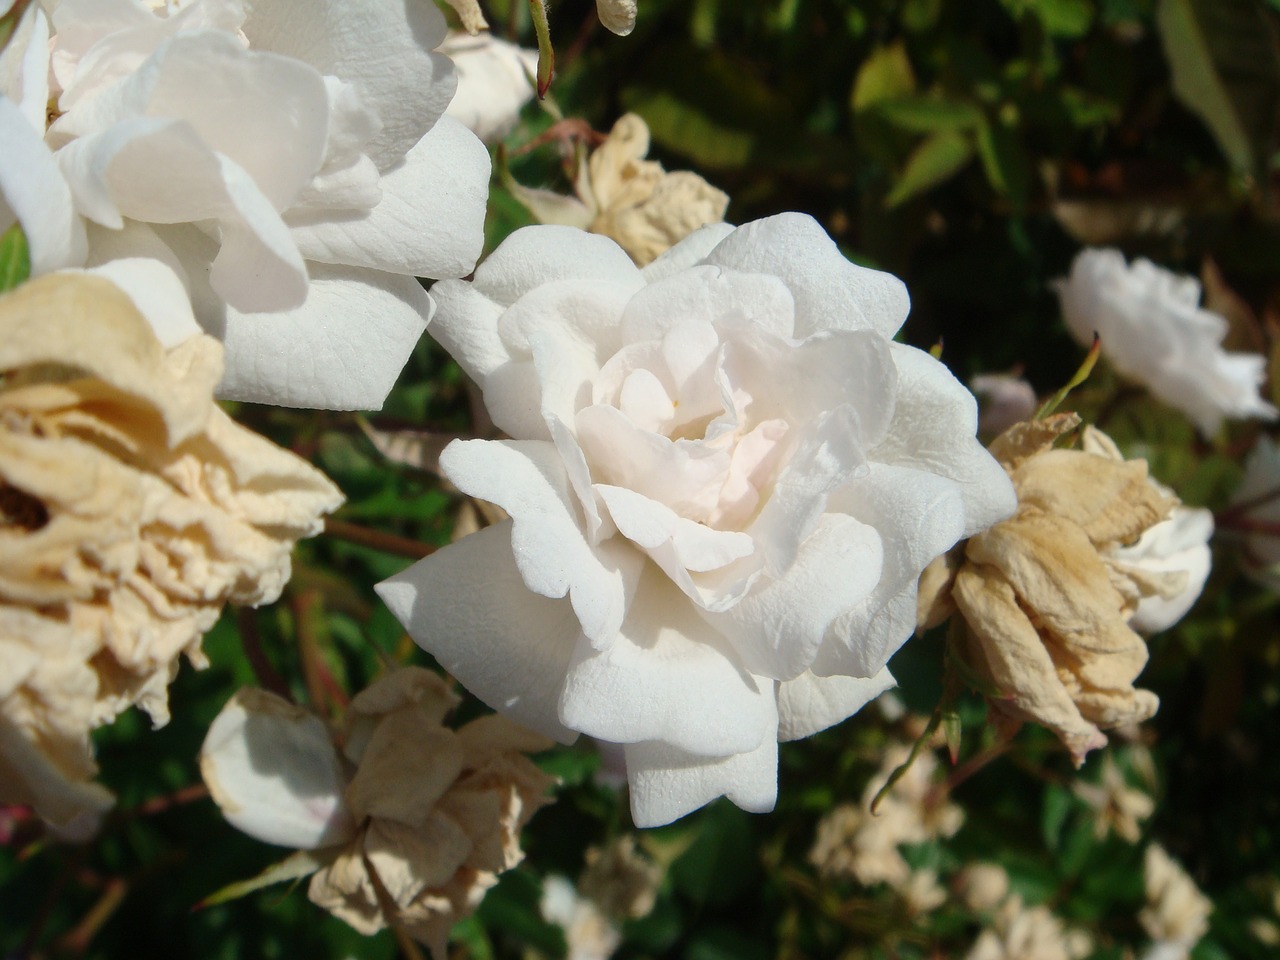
131,509
412,823
1045,602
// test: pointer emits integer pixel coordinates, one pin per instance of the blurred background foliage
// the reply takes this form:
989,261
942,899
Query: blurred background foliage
970,148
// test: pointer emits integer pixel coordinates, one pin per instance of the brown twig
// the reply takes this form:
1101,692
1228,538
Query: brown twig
78,940
251,642
377,539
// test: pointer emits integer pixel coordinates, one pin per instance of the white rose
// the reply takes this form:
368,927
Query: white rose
493,83
724,481
1154,331
288,161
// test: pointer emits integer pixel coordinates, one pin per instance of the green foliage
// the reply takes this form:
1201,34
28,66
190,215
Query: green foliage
15,258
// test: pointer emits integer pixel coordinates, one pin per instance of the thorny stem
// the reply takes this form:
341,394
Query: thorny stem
308,617
1268,528
179,797
386,542
975,763
561,131
77,941
251,643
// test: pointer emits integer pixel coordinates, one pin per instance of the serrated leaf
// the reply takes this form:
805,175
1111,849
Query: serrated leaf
885,75
931,114
1224,56
299,864
679,124
936,159
15,258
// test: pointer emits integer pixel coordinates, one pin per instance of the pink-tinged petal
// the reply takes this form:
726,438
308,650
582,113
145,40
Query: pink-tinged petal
709,294
160,171
667,782
776,629
692,249
274,772
527,479
341,350
509,647
669,677
919,516
33,193
681,547
934,429
429,222
385,49
830,292
808,704
29,776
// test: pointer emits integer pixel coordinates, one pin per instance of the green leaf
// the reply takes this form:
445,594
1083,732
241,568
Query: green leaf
931,114
1004,161
1225,61
1060,18
885,75
300,864
1058,802
936,159
15,258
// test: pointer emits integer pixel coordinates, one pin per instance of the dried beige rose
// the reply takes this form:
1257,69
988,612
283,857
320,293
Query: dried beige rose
417,834
629,199
131,509
620,879
1045,604
853,842
983,886
1177,913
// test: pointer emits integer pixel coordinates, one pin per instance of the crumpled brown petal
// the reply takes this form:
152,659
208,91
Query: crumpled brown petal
442,809
1045,606
131,509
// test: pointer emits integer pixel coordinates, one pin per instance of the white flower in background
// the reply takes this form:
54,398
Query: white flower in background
1176,916
288,161
588,931
1019,932
1172,557
1118,808
131,510
1005,400
1257,502
493,83
1155,332
411,824
618,16
724,480
629,199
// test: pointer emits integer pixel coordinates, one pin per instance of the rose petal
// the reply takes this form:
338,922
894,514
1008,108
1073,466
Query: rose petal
808,704
777,628
512,650
274,772
341,350
830,292
430,218
669,677
528,480
692,249
666,782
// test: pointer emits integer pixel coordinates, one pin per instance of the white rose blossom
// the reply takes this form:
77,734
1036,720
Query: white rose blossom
1154,331
288,161
493,83
724,480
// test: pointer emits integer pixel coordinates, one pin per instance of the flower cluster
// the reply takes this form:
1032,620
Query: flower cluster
291,165
131,510
413,821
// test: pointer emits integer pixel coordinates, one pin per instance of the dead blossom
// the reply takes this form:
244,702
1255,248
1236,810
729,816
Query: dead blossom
1045,601
133,510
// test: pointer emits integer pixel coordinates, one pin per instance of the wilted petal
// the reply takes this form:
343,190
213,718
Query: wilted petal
273,770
